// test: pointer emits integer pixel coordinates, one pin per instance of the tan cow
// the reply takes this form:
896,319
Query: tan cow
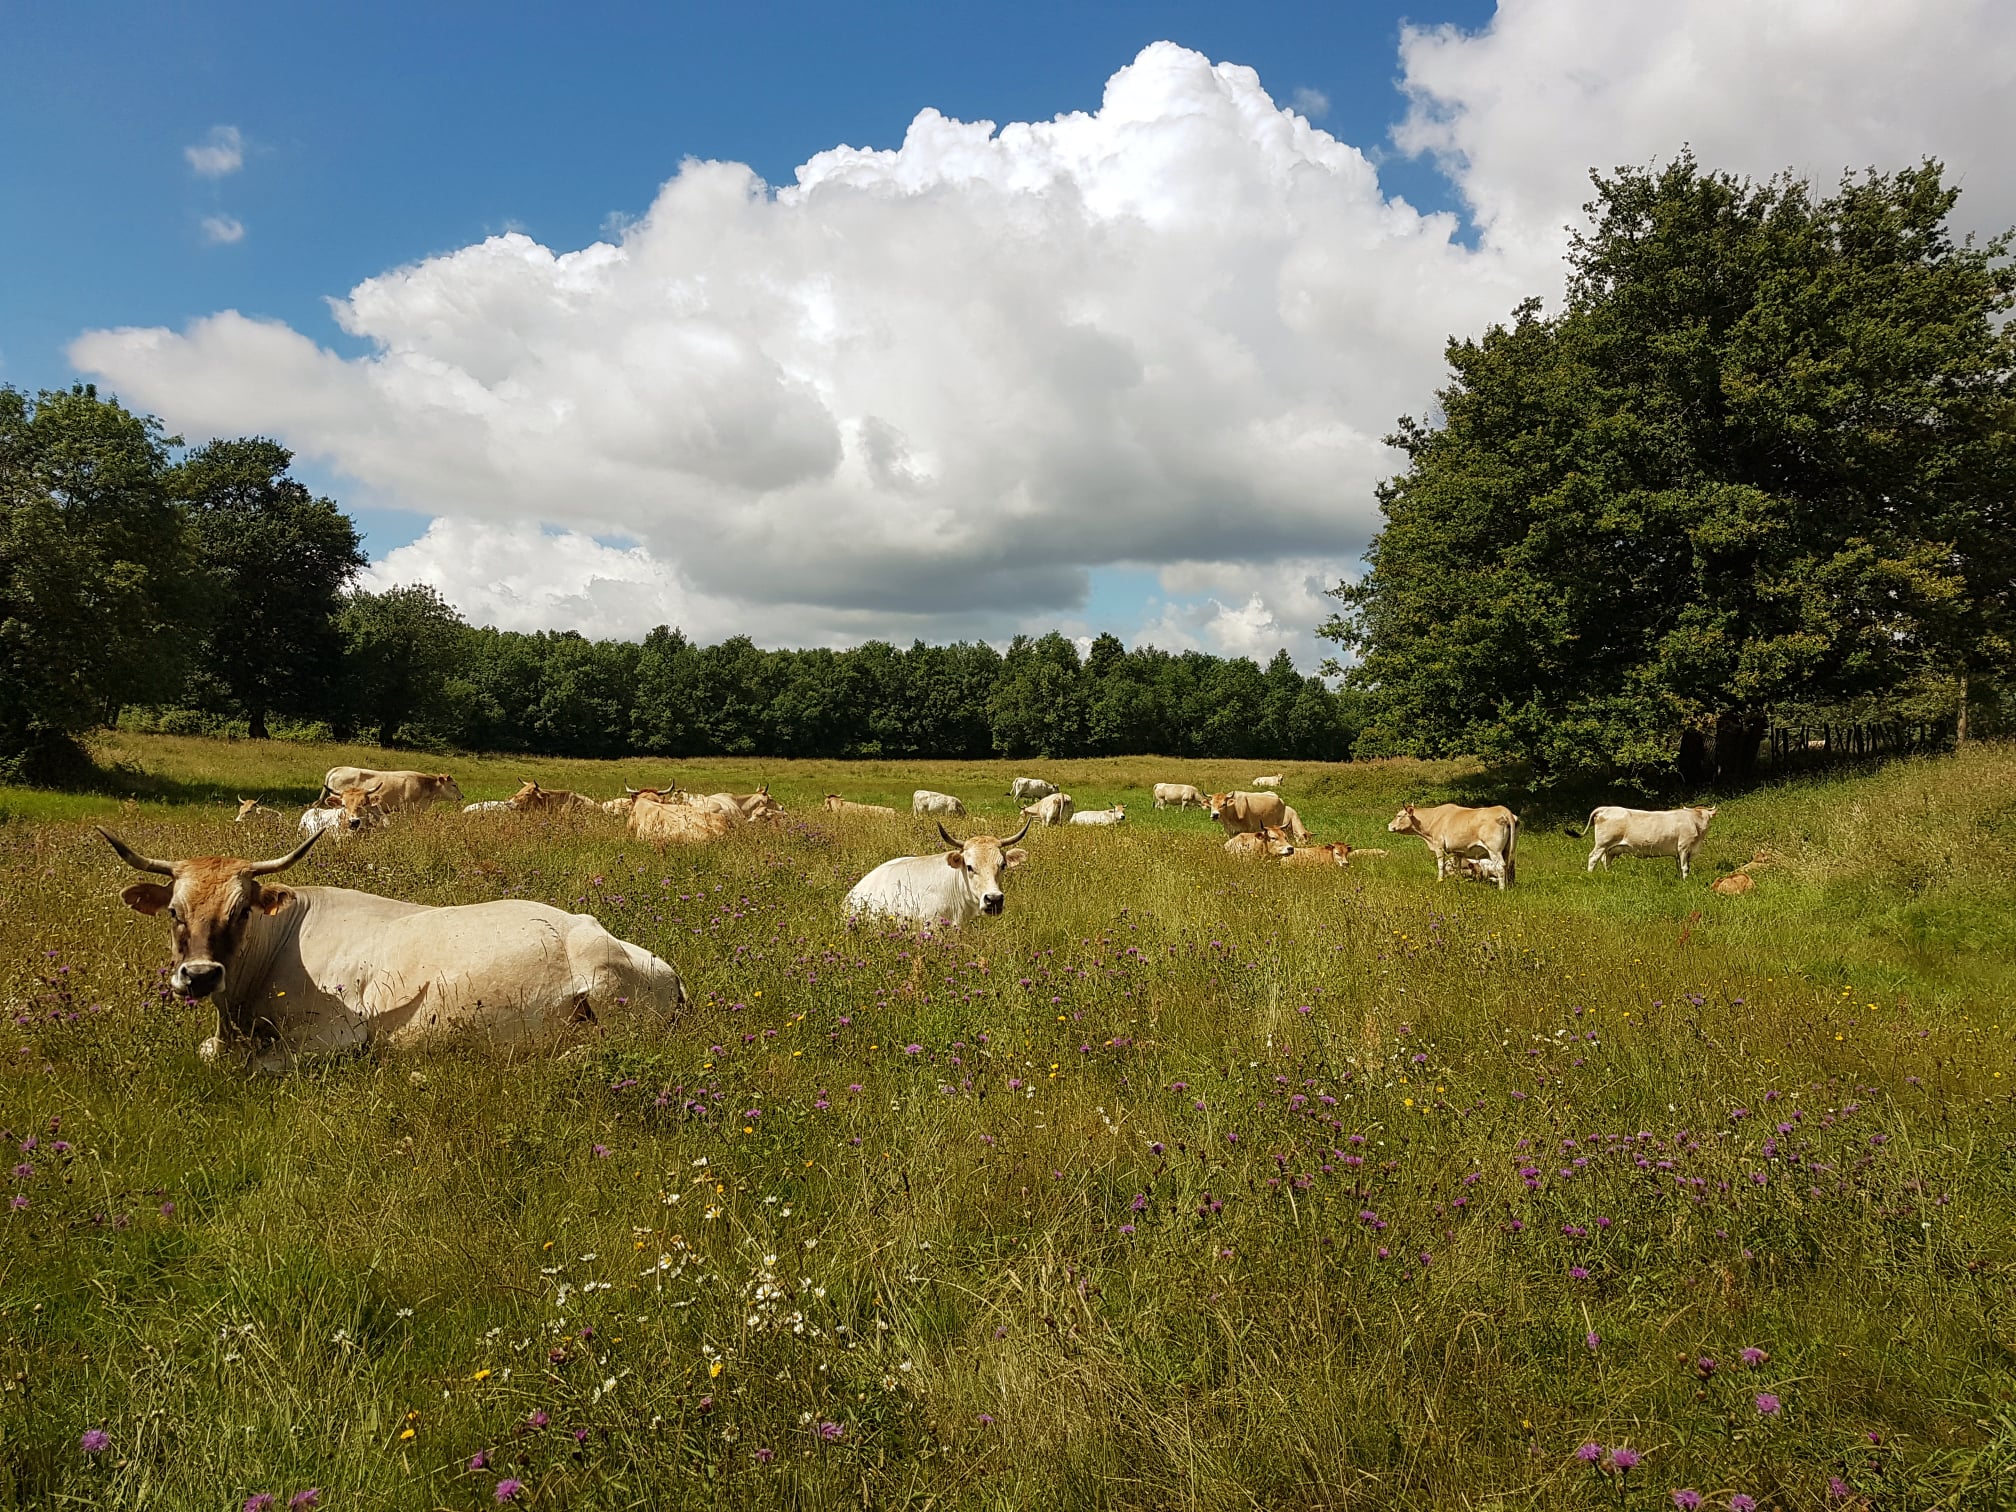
1260,845
660,820
757,805
252,808
1239,813
1178,795
1451,831
296,971
835,804
533,799
396,790
1053,809
1319,855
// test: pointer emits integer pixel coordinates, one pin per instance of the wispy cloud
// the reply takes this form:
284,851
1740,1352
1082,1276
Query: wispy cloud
1312,103
223,230
222,153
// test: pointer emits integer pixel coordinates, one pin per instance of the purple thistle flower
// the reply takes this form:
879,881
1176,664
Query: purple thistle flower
987,1420
1594,1340
1754,1357
1140,1202
1589,1453
479,1460
95,1441
601,1152
1578,1273
580,1435
24,1172
1741,1503
168,1211
764,1456
913,1049
306,1498
19,1202
508,1489
1767,1404
1838,1489
1687,1501
539,1418
1127,1230
1706,1367
1625,1460
830,1432
259,1502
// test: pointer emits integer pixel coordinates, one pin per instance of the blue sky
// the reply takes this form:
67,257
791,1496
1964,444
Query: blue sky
353,142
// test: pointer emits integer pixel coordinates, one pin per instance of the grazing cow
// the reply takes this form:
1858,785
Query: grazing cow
924,801
1238,813
1055,809
1178,795
835,804
1645,832
296,971
1029,789
1450,831
659,819
956,886
252,808
1101,816
1268,782
1260,845
396,790
532,798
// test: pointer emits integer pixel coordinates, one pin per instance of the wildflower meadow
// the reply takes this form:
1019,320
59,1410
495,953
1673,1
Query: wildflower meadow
1188,1182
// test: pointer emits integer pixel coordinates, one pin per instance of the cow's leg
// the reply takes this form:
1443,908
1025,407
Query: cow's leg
1504,869
1684,859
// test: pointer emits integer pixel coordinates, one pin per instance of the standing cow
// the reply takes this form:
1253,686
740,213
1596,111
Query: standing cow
296,971
1451,831
1645,832
396,790
1178,795
957,886
1242,813
1055,809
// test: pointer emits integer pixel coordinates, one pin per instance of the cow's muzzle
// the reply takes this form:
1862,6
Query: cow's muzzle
197,979
993,903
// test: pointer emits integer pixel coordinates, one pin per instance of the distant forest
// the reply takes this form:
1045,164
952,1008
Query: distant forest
210,592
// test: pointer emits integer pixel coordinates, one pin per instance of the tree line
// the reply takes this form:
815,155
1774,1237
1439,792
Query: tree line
210,591
1758,469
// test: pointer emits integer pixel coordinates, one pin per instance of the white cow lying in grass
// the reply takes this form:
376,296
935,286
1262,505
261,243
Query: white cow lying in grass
954,886
1101,816
295,971
924,801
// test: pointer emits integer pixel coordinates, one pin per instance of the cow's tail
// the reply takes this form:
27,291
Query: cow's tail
1576,834
1511,846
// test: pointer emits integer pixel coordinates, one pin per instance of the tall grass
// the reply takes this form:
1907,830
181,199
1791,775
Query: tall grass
1186,1183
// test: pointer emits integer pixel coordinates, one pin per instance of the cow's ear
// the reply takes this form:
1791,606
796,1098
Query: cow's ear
147,897
273,899
955,859
1016,856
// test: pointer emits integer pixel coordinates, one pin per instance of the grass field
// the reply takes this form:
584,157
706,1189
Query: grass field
1185,1184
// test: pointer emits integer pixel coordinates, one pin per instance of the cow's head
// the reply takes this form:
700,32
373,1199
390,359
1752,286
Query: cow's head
529,795
361,808
1218,803
247,807
1404,822
446,787
209,901
1706,814
981,861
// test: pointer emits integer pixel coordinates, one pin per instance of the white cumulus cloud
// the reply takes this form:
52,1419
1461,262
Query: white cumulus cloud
926,390
223,230
220,153
1312,103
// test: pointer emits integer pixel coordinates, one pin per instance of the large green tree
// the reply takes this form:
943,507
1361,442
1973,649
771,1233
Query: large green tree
403,648
1763,453
98,601
278,559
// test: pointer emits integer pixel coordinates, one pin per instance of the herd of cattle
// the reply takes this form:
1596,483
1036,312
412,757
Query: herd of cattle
294,971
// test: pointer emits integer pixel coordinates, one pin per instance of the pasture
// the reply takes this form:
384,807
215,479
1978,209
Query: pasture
1187,1183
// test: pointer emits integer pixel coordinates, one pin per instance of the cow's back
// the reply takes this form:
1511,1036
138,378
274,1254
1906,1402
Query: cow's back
1252,811
920,888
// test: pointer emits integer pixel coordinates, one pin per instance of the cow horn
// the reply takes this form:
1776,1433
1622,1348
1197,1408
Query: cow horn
267,868
1019,833
955,844
630,792
133,858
